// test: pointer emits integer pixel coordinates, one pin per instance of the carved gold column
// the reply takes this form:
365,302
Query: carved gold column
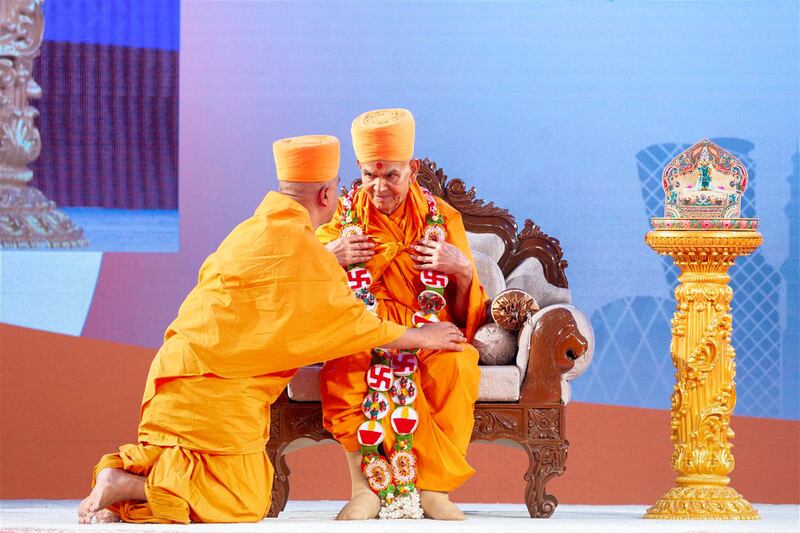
705,391
27,218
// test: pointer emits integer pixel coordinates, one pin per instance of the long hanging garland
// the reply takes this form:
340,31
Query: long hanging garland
390,378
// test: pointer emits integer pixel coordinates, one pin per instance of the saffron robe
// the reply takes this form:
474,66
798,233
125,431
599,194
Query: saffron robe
269,300
447,381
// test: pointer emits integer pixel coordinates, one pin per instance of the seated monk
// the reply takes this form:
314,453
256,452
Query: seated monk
404,241
270,299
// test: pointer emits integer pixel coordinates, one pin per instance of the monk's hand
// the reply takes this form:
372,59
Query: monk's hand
442,336
352,249
440,256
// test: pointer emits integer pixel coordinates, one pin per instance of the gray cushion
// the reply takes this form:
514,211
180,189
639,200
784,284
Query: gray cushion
495,345
489,273
497,384
529,277
488,244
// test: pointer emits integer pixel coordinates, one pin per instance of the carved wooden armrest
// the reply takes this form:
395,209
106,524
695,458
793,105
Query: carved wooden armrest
555,345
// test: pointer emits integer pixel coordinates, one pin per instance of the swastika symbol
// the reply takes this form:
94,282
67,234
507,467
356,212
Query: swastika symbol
358,278
379,377
404,363
431,278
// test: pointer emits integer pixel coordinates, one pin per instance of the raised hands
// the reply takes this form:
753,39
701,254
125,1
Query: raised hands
352,249
440,256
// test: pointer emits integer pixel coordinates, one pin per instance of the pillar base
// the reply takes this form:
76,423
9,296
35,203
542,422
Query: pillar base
29,220
702,502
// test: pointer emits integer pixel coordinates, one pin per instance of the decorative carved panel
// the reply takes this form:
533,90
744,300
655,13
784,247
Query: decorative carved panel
544,424
491,424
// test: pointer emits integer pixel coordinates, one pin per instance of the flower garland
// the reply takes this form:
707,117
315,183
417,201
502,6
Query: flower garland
391,377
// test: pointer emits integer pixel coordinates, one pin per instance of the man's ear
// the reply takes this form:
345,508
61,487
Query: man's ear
414,164
326,195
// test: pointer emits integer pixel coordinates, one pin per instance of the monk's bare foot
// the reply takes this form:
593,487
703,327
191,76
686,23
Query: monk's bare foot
106,517
363,505
437,505
111,486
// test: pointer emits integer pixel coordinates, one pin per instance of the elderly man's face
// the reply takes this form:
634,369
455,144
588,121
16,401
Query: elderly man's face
387,182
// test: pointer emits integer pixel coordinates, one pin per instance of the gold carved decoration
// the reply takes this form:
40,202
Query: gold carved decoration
27,218
705,391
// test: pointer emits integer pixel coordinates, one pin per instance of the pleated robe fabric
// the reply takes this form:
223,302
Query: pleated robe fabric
447,381
269,300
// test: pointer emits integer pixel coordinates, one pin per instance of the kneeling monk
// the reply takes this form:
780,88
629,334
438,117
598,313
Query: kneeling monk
270,299
412,262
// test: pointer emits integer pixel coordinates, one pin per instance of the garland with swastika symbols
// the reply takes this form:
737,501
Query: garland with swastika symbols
390,378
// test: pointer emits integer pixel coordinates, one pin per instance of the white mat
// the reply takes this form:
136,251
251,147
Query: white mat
317,516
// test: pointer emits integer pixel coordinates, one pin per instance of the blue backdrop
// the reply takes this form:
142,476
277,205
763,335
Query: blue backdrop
566,112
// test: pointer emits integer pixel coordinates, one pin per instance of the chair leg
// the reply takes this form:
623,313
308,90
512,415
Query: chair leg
545,461
280,480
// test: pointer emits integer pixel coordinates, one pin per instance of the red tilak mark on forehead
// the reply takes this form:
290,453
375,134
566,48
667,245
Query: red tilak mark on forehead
379,165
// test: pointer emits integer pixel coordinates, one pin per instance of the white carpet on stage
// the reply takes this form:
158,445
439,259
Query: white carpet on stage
317,516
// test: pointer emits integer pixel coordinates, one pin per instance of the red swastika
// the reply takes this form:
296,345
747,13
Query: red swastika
431,278
358,278
404,363
379,377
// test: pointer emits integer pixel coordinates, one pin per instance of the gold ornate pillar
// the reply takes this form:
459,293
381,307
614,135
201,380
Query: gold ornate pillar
705,391
27,218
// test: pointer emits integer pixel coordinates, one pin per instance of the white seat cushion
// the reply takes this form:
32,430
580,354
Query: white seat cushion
497,384
500,383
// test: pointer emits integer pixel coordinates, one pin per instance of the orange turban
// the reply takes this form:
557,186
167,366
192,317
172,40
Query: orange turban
385,134
307,159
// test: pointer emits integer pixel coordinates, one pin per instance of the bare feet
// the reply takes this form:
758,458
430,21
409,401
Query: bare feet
111,486
437,505
106,517
363,505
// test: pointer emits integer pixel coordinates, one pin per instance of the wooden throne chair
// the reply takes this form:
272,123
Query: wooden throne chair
523,395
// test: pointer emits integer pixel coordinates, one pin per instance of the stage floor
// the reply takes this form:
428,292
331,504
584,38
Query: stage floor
317,516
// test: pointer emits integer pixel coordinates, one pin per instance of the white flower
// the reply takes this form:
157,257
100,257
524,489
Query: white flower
404,506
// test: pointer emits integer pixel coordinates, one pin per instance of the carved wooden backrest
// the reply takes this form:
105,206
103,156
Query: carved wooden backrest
480,217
